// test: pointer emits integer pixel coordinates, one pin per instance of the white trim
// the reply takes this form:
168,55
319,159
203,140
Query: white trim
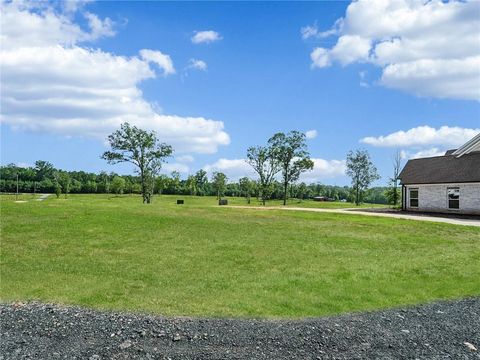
468,147
446,184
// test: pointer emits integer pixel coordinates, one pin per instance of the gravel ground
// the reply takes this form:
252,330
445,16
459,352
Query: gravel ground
443,330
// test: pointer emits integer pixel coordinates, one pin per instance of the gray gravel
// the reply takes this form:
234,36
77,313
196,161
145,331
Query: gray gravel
443,330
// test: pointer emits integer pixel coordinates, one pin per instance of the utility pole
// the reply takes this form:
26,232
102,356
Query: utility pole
16,195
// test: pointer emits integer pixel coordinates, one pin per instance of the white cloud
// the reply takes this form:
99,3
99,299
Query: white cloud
185,158
423,135
233,168
237,168
51,84
349,48
99,28
170,167
197,64
324,169
311,31
429,48
431,152
206,37
311,134
23,165
162,60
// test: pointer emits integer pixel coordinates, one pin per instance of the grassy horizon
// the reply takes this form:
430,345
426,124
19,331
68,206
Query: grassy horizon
200,260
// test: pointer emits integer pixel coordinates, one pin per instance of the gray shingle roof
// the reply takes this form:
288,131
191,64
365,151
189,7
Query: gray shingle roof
442,169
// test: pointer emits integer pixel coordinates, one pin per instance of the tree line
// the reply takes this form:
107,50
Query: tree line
278,166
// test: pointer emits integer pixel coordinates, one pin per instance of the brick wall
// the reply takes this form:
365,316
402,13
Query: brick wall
434,198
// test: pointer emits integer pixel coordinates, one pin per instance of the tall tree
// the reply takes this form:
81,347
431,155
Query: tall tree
246,187
140,148
191,185
266,165
44,170
290,150
118,185
201,180
361,171
393,192
219,182
64,180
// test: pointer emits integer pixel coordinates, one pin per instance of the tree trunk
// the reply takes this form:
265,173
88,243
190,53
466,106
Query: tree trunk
285,186
357,196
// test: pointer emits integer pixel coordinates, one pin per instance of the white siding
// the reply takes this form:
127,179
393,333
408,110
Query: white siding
433,197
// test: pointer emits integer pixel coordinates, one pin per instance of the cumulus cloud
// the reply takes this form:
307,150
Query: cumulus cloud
52,84
163,61
423,135
312,31
431,152
233,168
206,37
426,48
324,170
197,65
311,134
168,168
237,168
185,158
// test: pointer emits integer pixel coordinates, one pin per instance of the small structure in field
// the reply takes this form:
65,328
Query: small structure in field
322,198
446,184
180,202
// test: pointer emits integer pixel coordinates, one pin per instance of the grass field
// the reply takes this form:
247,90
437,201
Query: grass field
197,259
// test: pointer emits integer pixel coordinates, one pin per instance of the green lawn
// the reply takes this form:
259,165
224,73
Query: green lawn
201,259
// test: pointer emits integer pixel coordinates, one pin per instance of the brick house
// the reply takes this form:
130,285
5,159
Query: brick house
446,184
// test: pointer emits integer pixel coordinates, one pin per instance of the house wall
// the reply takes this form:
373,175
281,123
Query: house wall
433,198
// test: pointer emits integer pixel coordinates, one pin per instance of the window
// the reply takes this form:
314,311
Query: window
453,197
413,197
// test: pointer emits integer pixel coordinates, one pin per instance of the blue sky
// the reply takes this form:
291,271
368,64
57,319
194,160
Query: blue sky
255,69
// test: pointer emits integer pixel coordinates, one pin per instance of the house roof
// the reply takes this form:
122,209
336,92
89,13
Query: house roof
470,146
442,169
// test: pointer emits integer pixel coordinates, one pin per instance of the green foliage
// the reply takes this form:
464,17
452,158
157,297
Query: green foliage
118,185
393,195
290,151
265,164
219,182
58,189
140,148
246,187
361,171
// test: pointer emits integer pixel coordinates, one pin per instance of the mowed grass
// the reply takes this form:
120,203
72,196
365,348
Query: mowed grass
308,203
205,260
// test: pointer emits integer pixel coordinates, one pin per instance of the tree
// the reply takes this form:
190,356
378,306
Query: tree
266,165
44,170
140,148
191,185
361,171
201,180
118,185
161,183
63,180
219,182
58,189
290,150
302,190
393,192
175,182
246,187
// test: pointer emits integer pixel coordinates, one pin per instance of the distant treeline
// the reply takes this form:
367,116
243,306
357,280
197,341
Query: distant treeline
45,178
